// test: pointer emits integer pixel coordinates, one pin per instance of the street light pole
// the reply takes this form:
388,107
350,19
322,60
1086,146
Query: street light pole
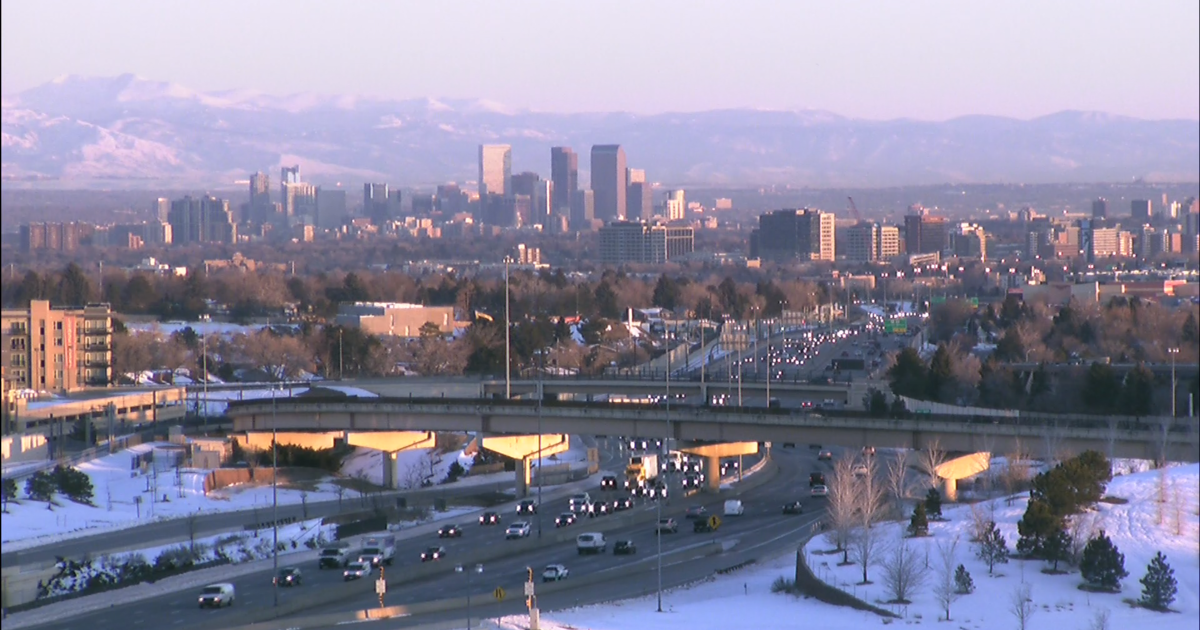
540,396
1173,352
658,505
204,359
507,338
274,499
461,569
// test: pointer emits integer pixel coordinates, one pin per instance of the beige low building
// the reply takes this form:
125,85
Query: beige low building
394,318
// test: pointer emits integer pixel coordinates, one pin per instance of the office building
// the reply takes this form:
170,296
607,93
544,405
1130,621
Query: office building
376,203
630,242
495,170
1100,208
331,208
968,240
1140,210
201,220
639,201
796,234
162,206
451,200
583,210
299,204
635,176
537,190
564,175
393,318
675,208
924,234
889,243
260,208
528,255
57,349
608,181
59,237
862,242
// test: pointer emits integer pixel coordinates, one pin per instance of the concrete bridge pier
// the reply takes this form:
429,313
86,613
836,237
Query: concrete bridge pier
392,443
960,468
524,448
712,454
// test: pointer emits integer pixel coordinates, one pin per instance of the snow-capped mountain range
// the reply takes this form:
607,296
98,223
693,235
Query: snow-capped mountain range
129,131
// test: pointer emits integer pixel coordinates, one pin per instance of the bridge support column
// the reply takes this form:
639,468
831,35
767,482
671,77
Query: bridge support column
523,478
524,449
949,489
712,473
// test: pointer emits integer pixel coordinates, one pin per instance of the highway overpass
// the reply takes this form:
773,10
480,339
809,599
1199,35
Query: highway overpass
1118,437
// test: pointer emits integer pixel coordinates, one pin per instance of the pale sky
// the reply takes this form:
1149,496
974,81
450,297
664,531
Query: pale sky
877,59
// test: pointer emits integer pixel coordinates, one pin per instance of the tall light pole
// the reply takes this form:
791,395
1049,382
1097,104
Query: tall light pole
204,360
274,498
507,338
341,356
768,364
540,395
1173,352
462,569
658,506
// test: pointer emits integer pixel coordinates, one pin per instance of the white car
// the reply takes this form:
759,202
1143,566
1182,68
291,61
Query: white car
520,529
356,571
819,490
860,471
217,595
554,573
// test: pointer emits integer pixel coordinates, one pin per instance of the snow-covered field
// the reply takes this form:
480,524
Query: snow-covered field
118,486
744,599
411,466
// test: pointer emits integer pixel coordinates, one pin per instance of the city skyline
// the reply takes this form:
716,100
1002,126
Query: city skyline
931,60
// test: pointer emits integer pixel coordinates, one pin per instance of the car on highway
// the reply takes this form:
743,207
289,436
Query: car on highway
599,509
819,491
519,529
666,526
217,595
554,573
622,503
489,518
527,506
356,571
816,479
793,508
608,482
433,553
825,455
692,481
860,470
565,519
624,548
705,525
696,512
450,531
288,576
869,451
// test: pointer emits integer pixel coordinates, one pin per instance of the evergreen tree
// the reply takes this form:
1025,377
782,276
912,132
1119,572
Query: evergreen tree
74,288
1158,585
963,584
876,403
1038,523
1137,397
666,293
918,525
8,491
993,549
606,301
1056,547
1101,388
39,486
941,374
933,503
1103,566
909,376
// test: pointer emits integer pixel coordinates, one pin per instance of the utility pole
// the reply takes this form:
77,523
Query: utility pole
540,395
274,497
341,356
507,338
204,354
664,450
1173,352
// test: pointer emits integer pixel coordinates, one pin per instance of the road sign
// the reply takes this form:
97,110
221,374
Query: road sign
714,521
380,586
529,589
498,594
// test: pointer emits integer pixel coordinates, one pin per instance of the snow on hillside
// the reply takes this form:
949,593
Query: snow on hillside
118,484
411,466
743,599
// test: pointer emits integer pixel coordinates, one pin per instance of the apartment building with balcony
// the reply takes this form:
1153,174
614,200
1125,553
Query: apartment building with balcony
51,349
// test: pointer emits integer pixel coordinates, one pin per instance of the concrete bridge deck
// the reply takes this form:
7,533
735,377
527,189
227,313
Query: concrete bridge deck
1176,440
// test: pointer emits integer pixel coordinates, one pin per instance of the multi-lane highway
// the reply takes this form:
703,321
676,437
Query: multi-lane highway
762,521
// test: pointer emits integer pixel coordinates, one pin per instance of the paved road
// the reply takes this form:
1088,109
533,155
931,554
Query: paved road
763,511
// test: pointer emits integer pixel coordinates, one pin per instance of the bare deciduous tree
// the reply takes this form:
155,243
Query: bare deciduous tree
1100,621
944,588
842,502
903,572
1016,473
1021,606
932,456
1080,529
982,517
869,504
897,482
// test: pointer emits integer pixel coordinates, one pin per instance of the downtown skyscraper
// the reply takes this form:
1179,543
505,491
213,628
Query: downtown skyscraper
495,170
608,181
564,177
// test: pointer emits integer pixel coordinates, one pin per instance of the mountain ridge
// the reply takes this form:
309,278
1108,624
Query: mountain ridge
78,130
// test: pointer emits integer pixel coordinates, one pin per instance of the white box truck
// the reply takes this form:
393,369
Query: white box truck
641,469
379,550
734,507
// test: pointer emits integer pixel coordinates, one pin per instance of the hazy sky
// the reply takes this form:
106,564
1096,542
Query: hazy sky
871,59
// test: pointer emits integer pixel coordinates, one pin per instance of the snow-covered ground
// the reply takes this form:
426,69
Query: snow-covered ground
117,487
412,466
744,599
201,328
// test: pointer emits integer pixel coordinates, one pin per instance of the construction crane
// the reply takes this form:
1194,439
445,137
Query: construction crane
854,210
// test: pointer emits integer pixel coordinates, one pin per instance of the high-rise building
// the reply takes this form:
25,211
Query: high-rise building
495,170
375,203
289,175
675,208
57,349
624,242
924,234
331,208
162,206
796,234
525,183
968,240
1100,208
608,181
451,199
62,237
635,175
862,242
639,201
201,220
564,174
889,243
1140,210
260,208
299,203
583,210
